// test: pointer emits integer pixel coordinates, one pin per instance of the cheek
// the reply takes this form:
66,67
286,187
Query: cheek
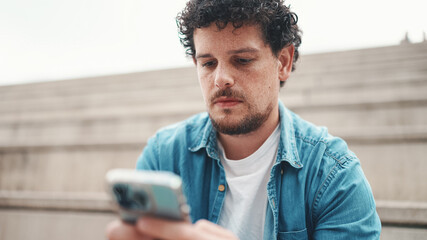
265,88
204,85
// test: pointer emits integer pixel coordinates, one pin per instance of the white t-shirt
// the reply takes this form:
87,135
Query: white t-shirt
245,202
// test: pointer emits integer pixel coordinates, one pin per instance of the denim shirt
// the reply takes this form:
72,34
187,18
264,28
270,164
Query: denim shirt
317,189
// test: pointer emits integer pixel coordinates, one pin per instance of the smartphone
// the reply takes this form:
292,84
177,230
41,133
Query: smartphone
138,193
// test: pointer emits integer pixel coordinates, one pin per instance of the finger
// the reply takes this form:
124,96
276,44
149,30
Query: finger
210,228
213,230
165,229
118,230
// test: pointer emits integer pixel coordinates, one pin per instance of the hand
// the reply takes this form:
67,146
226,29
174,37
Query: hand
150,228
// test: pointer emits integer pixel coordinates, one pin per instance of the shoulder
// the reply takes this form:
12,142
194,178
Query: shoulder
325,157
316,143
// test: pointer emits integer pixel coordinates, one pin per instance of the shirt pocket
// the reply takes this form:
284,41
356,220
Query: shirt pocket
294,235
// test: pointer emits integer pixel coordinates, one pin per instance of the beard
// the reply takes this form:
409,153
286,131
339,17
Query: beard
250,122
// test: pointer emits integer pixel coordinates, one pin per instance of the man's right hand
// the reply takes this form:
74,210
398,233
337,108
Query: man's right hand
151,228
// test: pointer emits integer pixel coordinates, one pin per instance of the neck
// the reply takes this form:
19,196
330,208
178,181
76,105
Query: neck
241,146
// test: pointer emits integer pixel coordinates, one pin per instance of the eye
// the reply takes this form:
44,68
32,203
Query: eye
208,64
244,61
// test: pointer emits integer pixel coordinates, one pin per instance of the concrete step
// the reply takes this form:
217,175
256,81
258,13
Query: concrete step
294,98
302,82
334,62
57,201
394,163
37,213
66,128
157,109
133,131
391,113
362,56
134,97
408,65
76,168
301,97
42,225
391,212
343,80
355,96
395,59
120,125
354,118
168,78
146,83
386,106
393,232
300,87
395,170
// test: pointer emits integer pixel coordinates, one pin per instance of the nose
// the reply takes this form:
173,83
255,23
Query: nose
223,77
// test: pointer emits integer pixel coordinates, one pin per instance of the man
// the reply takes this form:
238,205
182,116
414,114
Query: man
251,168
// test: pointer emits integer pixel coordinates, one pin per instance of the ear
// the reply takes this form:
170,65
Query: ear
285,58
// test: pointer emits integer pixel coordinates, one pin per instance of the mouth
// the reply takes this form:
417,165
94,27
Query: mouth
226,102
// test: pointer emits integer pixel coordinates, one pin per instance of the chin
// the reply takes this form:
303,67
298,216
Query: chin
226,117
238,126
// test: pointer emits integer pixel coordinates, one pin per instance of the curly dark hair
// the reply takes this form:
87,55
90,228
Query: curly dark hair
277,23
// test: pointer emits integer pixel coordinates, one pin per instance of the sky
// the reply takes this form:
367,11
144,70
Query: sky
47,40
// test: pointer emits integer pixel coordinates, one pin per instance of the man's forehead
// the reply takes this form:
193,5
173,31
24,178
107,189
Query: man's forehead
234,40
231,52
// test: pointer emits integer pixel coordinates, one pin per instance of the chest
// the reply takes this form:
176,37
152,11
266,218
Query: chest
287,211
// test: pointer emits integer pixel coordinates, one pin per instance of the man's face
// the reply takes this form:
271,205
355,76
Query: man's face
239,76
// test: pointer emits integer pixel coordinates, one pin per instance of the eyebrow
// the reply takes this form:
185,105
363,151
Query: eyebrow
243,50
237,51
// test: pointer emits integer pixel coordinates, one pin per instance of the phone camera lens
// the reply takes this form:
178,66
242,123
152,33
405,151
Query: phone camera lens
141,199
121,193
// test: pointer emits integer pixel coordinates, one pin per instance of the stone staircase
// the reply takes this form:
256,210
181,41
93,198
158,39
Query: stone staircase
58,139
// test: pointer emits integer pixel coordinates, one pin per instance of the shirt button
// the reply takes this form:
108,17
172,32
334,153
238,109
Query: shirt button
221,188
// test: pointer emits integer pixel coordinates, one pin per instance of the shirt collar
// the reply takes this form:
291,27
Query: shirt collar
206,139
287,150
287,146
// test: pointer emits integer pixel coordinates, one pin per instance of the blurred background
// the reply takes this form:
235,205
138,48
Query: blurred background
84,84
